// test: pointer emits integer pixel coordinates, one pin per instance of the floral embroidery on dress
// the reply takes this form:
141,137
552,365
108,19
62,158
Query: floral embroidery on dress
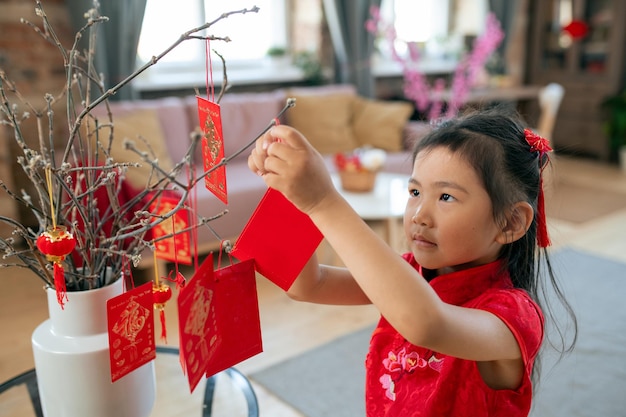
389,386
401,363
435,363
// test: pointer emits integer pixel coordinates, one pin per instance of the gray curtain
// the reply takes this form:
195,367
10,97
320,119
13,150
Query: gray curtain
352,44
118,38
504,11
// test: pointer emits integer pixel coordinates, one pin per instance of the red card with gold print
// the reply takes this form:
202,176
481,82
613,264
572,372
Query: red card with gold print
212,147
197,322
238,325
279,237
130,319
176,248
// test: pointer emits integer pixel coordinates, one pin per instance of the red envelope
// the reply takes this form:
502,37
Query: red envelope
130,319
196,321
279,237
212,147
178,247
237,316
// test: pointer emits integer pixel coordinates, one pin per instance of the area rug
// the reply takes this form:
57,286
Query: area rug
329,381
578,204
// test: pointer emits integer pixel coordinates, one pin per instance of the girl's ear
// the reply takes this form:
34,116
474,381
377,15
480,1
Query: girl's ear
518,220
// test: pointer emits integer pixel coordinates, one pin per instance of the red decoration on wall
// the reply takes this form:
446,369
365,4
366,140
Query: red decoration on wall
577,29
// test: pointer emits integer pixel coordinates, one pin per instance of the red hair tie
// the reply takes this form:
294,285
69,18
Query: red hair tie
540,144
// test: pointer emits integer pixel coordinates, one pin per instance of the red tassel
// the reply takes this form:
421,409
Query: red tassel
163,329
59,284
543,240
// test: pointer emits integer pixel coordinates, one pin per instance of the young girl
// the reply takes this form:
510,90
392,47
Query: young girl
460,325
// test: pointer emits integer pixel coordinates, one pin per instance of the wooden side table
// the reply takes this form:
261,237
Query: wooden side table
382,208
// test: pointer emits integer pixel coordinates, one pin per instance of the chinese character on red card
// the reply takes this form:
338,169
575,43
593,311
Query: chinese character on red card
237,316
196,321
212,147
176,248
279,237
130,321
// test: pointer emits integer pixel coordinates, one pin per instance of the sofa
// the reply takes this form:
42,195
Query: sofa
334,119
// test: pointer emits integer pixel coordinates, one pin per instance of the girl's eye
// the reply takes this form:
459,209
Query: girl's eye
414,193
447,197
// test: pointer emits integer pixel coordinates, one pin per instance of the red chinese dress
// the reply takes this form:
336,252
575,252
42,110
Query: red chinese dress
407,380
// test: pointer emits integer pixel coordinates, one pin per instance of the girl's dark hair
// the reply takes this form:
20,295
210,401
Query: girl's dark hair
493,142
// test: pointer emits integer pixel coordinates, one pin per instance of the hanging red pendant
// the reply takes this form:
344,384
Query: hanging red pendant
161,293
56,243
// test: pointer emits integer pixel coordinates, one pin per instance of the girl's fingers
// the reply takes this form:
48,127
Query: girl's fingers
285,134
256,159
255,164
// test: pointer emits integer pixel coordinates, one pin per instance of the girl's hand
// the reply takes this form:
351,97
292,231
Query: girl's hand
289,163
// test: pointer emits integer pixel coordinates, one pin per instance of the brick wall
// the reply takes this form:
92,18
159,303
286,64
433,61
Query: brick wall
36,67
34,64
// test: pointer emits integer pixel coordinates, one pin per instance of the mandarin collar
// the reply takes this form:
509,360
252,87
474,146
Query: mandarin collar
460,287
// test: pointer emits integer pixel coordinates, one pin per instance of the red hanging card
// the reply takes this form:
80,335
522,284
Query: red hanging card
130,319
196,320
237,316
279,237
176,248
212,147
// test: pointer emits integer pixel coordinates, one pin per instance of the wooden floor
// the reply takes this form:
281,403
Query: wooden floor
290,328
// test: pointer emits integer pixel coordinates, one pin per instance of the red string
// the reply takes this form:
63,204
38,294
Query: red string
210,88
193,204
219,256
175,246
126,269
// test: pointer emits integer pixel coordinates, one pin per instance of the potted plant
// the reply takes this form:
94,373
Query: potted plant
311,67
276,51
615,126
278,56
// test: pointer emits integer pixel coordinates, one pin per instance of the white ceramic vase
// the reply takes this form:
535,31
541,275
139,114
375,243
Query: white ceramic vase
71,351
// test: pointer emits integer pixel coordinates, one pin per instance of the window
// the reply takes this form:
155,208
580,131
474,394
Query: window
439,27
251,34
417,20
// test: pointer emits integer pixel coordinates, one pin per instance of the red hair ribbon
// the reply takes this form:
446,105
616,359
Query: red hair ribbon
540,144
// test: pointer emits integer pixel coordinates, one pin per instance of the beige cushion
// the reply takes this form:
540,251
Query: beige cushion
325,120
144,129
380,123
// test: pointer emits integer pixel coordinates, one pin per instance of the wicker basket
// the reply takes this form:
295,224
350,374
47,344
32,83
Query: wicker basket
358,181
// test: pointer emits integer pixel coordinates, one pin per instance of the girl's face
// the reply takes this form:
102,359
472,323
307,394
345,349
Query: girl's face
448,220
